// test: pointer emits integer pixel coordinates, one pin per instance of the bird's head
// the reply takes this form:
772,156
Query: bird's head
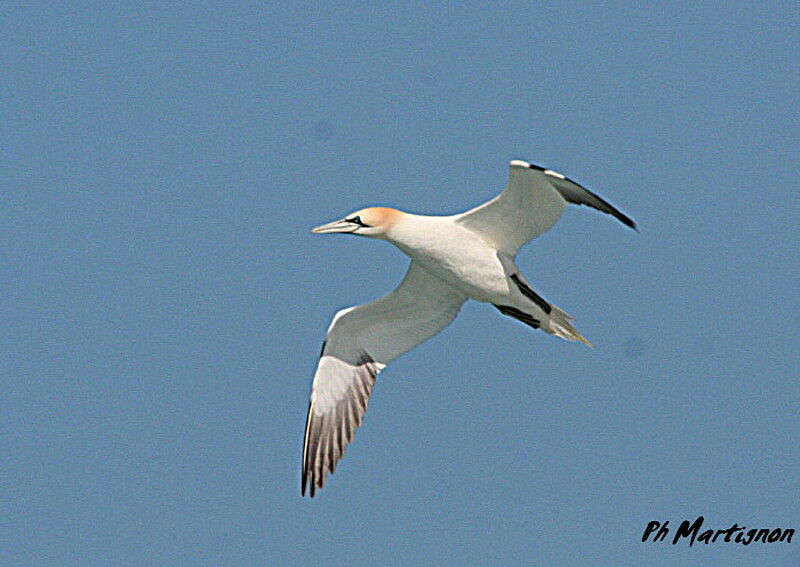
374,222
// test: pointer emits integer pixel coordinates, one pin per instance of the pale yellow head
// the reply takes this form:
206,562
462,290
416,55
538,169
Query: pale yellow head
373,221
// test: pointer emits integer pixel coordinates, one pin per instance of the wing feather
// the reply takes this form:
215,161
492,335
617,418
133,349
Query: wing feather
361,341
580,195
532,202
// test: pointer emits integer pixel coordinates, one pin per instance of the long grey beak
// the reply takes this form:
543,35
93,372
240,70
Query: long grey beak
335,226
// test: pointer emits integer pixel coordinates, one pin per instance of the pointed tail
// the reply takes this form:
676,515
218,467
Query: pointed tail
560,325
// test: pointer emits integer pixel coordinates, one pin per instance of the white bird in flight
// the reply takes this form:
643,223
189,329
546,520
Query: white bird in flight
453,258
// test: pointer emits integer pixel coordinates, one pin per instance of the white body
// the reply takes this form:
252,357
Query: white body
454,254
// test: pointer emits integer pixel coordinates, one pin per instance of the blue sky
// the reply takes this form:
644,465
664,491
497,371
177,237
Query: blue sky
163,302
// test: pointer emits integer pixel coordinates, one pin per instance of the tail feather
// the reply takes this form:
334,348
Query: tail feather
560,325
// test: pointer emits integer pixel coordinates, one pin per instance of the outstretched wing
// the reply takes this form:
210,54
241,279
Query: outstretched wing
531,204
361,341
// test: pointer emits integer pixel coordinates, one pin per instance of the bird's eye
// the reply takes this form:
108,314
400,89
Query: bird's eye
356,220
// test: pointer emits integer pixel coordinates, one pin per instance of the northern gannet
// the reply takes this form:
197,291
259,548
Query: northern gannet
453,258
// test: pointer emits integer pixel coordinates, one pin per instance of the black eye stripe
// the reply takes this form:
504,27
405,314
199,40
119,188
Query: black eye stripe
358,221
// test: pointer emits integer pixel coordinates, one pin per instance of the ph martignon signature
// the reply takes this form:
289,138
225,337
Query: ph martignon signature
735,534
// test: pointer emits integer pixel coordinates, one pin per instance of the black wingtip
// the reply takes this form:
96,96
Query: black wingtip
305,484
612,210
627,221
